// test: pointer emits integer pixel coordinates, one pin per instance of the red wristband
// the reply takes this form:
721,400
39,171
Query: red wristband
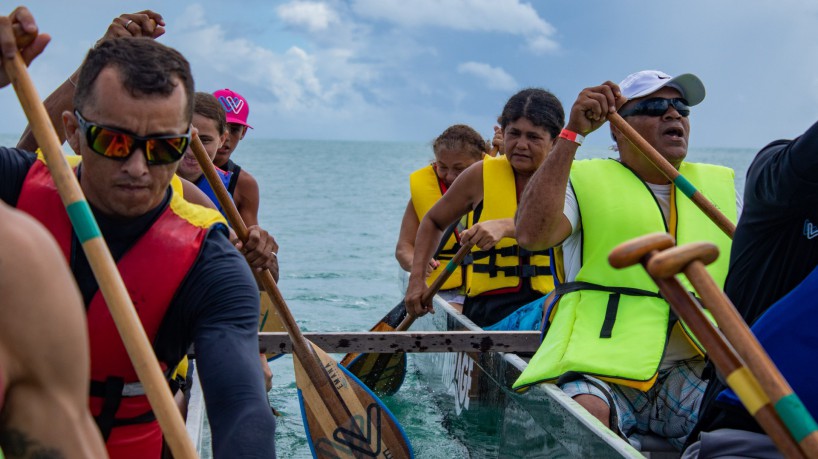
572,136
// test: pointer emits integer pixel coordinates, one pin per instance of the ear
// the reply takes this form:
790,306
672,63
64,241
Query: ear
243,131
72,130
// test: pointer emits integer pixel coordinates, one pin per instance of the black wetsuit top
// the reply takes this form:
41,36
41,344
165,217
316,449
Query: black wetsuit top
230,166
216,308
775,247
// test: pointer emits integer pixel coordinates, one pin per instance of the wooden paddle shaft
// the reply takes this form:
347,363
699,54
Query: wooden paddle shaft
437,284
104,268
301,347
672,174
722,355
745,343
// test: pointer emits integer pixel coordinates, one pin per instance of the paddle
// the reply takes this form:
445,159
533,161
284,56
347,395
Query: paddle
640,251
691,259
102,264
384,373
673,175
342,417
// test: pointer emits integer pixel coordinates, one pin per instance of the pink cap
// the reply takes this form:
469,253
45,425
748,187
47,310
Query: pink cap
235,106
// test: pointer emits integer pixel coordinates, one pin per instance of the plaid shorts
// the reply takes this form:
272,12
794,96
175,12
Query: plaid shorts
669,409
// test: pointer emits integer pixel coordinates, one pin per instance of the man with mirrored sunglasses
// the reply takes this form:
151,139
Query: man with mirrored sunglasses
610,341
130,125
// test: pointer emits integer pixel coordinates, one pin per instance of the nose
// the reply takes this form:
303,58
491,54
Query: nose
137,163
672,113
450,176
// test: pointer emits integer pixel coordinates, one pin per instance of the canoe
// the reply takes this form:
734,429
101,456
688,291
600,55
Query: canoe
492,420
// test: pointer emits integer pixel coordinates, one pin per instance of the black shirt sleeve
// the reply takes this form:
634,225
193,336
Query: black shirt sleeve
217,308
784,174
14,166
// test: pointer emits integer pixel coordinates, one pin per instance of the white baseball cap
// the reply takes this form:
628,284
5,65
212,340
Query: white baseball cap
646,82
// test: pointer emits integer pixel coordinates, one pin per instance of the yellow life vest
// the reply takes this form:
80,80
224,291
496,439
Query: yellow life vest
506,264
426,190
612,323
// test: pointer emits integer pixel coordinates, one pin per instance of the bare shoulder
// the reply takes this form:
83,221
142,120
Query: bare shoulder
39,291
23,240
246,184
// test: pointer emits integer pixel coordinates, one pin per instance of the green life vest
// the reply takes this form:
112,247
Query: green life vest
612,323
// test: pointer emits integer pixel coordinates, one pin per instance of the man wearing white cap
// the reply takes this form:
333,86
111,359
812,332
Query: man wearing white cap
610,341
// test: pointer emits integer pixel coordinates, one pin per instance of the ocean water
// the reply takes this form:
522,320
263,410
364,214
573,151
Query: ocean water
335,209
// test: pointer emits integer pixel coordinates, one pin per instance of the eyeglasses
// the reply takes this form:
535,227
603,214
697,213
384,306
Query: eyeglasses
656,106
119,145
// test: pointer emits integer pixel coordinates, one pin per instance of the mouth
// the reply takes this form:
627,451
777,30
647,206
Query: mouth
674,133
132,187
190,160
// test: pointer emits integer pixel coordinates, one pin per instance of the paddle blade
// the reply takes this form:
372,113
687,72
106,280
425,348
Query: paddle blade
269,321
389,323
370,430
383,373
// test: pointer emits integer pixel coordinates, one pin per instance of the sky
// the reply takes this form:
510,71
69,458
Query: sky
404,70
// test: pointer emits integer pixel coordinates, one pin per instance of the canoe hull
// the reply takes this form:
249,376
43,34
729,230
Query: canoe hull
474,393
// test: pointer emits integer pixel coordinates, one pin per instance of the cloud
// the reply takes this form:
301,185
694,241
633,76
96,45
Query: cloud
493,77
289,76
501,16
314,16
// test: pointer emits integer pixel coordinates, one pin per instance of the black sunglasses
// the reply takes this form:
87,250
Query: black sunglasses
117,144
656,106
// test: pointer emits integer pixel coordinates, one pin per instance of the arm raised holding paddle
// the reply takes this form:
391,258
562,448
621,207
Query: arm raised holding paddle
142,24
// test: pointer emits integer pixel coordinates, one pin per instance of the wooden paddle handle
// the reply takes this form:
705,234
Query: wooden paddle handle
724,357
750,350
437,284
102,264
673,175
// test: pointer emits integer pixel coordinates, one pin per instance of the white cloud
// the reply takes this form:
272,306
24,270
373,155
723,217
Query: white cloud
494,77
314,16
502,16
291,77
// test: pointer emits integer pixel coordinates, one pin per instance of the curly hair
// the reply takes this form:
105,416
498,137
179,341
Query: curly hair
461,137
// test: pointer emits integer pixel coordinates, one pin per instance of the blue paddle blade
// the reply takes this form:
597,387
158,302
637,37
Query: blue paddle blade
368,428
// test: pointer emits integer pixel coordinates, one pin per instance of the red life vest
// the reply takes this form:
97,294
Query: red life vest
153,269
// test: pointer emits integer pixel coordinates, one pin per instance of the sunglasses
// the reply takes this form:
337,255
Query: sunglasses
656,106
117,144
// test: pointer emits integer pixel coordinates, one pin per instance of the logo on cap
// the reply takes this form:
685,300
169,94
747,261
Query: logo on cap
231,104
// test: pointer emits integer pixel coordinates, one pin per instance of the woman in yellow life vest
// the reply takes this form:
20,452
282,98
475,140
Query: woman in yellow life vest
500,277
457,148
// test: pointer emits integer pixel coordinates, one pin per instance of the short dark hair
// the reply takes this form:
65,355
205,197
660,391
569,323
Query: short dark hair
463,137
539,106
208,106
147,68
